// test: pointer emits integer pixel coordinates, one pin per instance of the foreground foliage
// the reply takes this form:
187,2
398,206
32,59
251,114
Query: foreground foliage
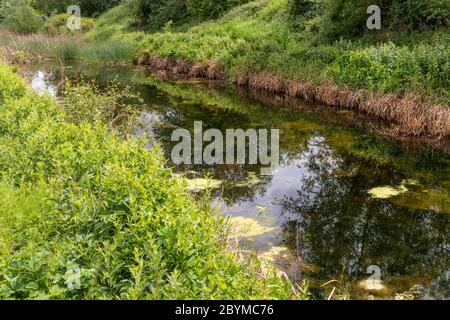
75,195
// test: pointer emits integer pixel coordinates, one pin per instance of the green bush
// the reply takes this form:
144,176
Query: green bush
11,86
154,14
90,8
418,14
305,8
18,16
347,18
113,105
344,18
75,195
57,24
389,68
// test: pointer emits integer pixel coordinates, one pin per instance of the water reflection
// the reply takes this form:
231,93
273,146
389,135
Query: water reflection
42,83
317,204
343,231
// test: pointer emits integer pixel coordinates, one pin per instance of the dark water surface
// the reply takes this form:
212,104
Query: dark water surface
341,201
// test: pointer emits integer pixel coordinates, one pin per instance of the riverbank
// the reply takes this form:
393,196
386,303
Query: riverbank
78,197
401,78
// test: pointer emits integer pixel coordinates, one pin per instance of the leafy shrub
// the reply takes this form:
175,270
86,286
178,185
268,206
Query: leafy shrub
154,14
305,8
89,8
418,14
57,24
389,68
18,16
344,18
11,86
87,102
347,18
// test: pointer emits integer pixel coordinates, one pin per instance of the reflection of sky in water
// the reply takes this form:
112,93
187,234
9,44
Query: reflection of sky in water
265,206
150,121
42,83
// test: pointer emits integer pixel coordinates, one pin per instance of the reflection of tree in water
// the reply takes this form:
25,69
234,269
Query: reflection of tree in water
340,229
174,114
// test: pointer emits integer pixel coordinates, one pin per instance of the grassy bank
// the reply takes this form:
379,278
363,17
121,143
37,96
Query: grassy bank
76,195
401,77
22,49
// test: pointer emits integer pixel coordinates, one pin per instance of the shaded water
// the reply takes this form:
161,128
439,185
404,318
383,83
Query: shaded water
341,201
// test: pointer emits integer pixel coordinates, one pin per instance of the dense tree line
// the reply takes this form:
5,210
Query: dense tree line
348,17
336,18
26,16
88,7
154,14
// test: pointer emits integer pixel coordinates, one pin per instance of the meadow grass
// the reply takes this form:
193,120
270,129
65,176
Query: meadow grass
112,51
40,46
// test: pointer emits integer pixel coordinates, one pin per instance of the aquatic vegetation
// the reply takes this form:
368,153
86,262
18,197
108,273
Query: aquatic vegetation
425,199
39,46
110,52
247,228
200,184
274,253
251,181
373,285
417,197
387,192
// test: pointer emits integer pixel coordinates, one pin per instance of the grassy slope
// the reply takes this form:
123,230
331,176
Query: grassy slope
76,195
257,36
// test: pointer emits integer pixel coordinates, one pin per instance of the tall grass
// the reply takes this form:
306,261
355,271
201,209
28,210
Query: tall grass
40,46
111,51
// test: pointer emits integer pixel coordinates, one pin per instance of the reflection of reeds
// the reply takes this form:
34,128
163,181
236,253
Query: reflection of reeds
411,114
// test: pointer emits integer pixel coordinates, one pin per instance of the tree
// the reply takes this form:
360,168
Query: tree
18,16
88,7
154,14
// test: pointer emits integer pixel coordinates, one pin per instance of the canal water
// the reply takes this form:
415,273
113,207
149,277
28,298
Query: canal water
357,216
